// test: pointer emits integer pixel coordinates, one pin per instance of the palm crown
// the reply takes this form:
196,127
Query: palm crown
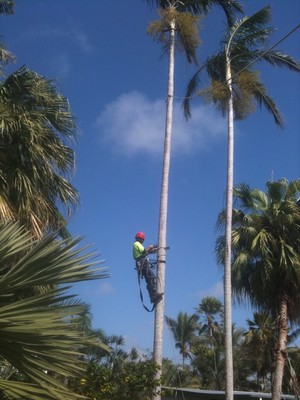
242,45
35,160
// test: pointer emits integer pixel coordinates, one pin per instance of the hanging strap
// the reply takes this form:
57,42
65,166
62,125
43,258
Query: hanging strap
139,272
141,295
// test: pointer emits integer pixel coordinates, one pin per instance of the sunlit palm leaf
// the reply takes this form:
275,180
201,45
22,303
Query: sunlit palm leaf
40,335
35,159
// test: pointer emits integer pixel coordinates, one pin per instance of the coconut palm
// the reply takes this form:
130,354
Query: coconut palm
209,359
40,336
177,28
35,160
173,22
259,343
236,89
184,330
266,258
208,309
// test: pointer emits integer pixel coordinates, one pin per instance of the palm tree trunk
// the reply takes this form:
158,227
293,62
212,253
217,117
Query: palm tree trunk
280,355
162,234
227,269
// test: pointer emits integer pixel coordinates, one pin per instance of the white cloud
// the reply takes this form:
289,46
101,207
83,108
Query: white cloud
214,291
72,35
62,65
135,124
105,288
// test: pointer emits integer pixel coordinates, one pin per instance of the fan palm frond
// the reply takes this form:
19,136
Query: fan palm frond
41,335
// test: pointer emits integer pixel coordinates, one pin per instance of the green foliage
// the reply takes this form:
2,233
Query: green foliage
260,340
35,159
183,329
266,259
242,46
268,238
245,85
186,29
230,8
253,350
131,381
40,335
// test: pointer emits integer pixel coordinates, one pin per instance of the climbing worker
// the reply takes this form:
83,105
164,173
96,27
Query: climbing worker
144,267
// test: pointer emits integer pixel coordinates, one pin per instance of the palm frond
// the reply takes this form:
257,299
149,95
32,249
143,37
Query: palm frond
250,25
6,56
262,98
17,390
282,60
36,126
230,9
244,41
187,33
191,90
41,335
265,247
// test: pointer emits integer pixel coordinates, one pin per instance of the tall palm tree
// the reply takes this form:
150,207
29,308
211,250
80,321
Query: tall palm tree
266,258
35,159
178,21
183,329
41,336
235,89
173,22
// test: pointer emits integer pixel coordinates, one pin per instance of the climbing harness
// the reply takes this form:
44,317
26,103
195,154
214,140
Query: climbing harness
139,267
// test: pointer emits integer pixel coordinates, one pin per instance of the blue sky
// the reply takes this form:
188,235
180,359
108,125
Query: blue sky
115,78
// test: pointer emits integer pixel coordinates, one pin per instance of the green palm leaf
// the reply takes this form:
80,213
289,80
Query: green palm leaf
40,336
35,159
248,29
201,6
282,60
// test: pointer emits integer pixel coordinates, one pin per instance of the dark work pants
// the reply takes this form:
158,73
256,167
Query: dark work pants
144,268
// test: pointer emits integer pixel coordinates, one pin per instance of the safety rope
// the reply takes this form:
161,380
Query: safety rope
141,293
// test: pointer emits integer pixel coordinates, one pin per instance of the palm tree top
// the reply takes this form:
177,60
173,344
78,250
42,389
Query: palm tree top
244,44
197,7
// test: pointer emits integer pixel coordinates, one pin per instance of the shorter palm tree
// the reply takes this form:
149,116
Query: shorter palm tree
41,336
183,329
266,258
209,308
260,339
